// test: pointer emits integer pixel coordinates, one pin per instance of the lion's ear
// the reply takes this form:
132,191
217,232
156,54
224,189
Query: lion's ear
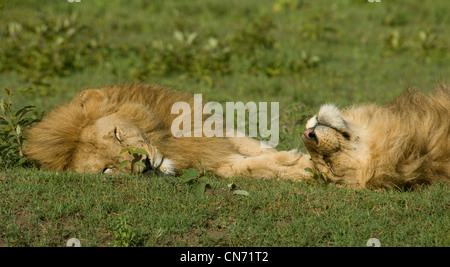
87,97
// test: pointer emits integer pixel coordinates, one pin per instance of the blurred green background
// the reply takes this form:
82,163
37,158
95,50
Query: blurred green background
291,51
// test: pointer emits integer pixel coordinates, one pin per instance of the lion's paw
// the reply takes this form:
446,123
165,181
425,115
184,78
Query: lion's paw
160,163
288,158
167,167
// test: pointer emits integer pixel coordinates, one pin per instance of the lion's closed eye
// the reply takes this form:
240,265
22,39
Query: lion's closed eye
346,135
118,135
107,170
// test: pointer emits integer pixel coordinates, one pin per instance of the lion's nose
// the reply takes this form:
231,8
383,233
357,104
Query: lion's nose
309,133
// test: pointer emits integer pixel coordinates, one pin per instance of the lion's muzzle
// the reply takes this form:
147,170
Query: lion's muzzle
310,135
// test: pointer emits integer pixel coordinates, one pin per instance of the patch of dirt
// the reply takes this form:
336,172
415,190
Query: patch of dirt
218,192
212,231
216,231
21,220
191,238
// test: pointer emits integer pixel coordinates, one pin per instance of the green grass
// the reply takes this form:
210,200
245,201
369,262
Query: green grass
299,53
47,209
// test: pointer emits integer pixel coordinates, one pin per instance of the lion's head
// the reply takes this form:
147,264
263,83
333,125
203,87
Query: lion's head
403,143
332,143
90,138
101,144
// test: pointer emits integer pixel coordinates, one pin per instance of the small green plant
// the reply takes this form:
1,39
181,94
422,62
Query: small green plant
135,152
318,175
198,181
394,41
123,233
12,125
314,174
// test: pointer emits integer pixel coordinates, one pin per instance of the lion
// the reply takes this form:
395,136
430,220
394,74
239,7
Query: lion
401,145
91,133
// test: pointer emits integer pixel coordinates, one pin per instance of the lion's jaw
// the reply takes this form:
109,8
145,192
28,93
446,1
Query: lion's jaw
334,145
101,144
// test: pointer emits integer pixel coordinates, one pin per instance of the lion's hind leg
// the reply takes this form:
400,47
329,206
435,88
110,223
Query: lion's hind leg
250,147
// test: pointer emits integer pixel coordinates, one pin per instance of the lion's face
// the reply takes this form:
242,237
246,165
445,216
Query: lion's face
101,143
332,143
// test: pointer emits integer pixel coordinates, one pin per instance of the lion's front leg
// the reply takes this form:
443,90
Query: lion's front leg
283,164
